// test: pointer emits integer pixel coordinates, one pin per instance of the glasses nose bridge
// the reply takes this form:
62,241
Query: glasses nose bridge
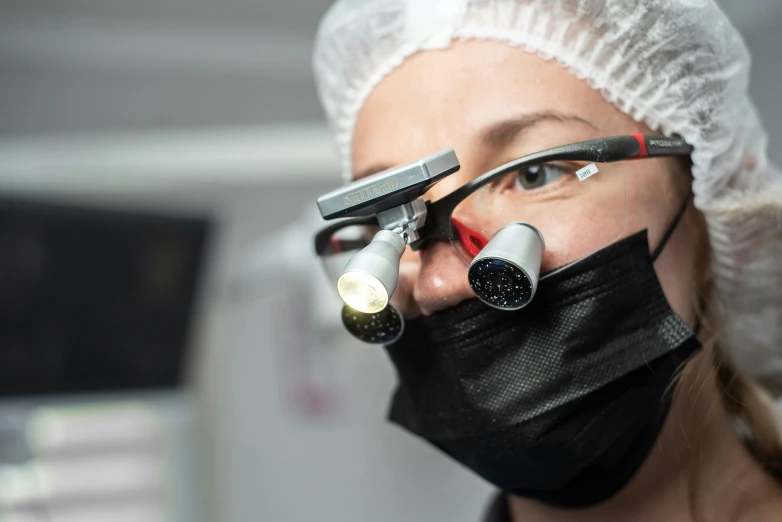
458,217
446,187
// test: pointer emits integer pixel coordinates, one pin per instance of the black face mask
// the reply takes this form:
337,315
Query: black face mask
560,401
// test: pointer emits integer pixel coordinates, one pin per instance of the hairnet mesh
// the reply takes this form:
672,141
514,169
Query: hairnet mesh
677,65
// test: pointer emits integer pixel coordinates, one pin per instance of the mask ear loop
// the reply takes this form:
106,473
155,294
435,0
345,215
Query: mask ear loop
671,228
668,233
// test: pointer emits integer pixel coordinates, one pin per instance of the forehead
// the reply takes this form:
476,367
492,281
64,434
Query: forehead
438,99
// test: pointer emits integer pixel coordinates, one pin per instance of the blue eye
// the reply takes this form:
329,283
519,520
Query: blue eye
537,176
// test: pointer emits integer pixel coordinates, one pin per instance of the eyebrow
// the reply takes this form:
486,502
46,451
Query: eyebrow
500,134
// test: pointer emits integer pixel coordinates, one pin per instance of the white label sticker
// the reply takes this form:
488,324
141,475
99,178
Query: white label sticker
588,171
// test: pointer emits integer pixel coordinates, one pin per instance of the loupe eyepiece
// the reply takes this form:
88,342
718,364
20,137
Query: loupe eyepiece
505,272
370,277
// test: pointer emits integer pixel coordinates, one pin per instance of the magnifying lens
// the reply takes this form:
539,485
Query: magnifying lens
505,273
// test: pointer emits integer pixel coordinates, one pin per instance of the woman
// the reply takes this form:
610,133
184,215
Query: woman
623,391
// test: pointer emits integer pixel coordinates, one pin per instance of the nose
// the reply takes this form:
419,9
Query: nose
436,279
441,281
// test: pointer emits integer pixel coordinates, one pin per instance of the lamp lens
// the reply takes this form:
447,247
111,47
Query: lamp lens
362,291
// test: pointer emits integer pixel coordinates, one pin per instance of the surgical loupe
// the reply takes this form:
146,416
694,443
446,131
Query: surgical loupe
504,274
503,271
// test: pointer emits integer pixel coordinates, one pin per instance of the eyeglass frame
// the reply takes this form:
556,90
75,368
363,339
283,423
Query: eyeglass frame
438,224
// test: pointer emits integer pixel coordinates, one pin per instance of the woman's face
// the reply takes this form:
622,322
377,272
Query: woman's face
493,103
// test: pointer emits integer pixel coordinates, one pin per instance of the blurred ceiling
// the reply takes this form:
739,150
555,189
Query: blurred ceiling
93,65
89,66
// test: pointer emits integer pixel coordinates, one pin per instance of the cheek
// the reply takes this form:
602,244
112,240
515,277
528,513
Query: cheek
653,201
578,233
677,270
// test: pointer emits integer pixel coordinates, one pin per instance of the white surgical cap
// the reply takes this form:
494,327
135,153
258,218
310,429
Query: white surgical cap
677,65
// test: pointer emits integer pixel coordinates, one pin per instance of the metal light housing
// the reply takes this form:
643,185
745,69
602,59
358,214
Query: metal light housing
370,277
505,272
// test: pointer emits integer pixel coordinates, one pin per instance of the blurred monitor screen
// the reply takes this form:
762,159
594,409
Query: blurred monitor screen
94,299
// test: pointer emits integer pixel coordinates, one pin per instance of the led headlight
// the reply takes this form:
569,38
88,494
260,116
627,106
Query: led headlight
370,277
